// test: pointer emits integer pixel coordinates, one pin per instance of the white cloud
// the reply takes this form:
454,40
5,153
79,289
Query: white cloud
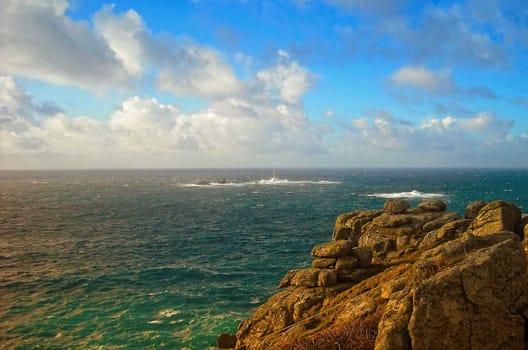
12,99
38,41
123,35
487,123
198,71
16,102
463,137
422,78
439,123
287,78
445,36
144,132
116,50
381,130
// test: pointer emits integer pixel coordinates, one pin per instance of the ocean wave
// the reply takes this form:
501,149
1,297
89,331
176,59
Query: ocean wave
267,182
167,313
412,194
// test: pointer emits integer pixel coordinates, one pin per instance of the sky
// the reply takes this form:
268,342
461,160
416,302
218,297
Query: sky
273,83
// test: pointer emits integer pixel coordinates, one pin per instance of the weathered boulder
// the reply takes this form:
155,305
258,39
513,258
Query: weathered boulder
333,249
344,217
309,278
326,278
432,205
347,263
392,328
478,301
341,232
349,226
280,311
435,224
400,233
392,220
448,231
495,217
305,278
396,206
473,209
323,263
385,246
363,255
430,240
453,229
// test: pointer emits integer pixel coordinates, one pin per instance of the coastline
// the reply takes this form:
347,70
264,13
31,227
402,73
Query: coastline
409,275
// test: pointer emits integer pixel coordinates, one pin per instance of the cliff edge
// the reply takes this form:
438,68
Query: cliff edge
404,278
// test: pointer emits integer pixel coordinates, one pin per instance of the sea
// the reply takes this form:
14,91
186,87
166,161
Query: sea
170,259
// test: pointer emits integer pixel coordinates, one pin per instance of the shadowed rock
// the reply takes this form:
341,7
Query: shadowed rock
432,205
473,209
226,341
395,206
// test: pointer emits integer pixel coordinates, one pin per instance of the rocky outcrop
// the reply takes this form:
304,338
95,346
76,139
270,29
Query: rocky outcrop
495,217
432,205
395,206
473,209
409,277
479,301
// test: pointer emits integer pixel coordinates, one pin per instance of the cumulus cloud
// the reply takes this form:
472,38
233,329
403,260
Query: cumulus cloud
111,54
483,132
423,78
16,102
287,78
146,132
124,35
239,131
38,41
473,33
445,35
197,71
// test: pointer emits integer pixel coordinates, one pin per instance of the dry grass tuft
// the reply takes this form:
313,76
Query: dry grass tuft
348,335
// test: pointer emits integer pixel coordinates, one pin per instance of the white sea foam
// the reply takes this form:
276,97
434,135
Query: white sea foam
168,313
412,194
266,182
155,322
295,182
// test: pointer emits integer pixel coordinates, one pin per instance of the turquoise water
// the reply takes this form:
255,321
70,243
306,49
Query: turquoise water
150,260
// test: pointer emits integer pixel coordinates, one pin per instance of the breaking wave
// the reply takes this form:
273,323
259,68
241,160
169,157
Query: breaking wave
412,194
267,182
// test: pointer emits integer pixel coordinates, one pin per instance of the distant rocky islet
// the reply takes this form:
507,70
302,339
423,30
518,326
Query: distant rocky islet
404,278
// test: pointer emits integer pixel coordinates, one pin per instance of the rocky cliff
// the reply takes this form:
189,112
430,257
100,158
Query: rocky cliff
404,278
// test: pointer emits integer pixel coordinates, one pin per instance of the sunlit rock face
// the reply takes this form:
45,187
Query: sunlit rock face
405,277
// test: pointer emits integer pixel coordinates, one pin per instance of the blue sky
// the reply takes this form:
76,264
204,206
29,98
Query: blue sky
232,83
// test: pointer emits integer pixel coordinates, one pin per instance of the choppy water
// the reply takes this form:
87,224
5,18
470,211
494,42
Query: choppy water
151,260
